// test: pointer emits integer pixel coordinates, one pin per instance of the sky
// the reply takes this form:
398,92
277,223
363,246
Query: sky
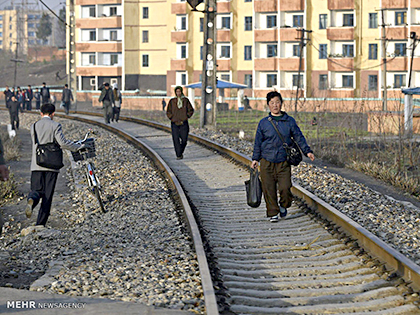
53,4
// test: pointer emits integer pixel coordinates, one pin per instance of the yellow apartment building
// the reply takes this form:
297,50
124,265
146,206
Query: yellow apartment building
157,44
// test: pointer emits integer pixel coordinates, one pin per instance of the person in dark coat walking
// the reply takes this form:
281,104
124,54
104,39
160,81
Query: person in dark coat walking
7,95
43,180
118,103
163,104
45,94
29,95
107,100
179,111
269,151
13,106
37,96
67,98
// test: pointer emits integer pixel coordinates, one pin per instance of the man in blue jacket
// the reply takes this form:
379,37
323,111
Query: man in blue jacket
269,151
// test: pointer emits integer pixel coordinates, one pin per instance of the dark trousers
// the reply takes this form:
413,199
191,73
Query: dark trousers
180,137
116,112
67,107
276,176
14,118
28,105
108,111
38,104
42,188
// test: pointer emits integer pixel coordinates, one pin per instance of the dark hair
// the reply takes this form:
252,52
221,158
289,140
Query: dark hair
106,84
43,83
273,94
66,85
47,109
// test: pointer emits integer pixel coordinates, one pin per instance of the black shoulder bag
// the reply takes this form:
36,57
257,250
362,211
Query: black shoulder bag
48,155
294,155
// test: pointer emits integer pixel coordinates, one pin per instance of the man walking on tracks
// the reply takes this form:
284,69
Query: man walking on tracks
43,179
13,106
67,97
45,94
107,99
29,95
179,111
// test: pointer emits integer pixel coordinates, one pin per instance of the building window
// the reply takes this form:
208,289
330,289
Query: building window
373,20
183,79
113,35
145,14
400,17
348,20
112,11
373,83
145,60
373,51
271,80
248,23
1,17
183,51
323,51
10,27
30,25
271,21
399,80
400,49
226,22
92,12
225,52
92,35
348,51
248,1
225,77
183,23
247,52
201,53
114,59
271,51
92,60
323,82
347,81
145,37
1,34
297,20
201,24
322,21
296,50
296,80
248,80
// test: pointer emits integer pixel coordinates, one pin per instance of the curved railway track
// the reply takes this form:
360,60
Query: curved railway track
313,262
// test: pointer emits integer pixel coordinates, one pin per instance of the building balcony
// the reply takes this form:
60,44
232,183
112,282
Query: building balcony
416,64
394,4
396,64
223,35
340,4
274,64
289,34
265,5
179,36
99,47
340,33
291,64
111,71
265,64
93,2
292,5
415,3
223,7
268,35
340,64
178,64
179,8
100,22
415,28
223,64
341,93
397,32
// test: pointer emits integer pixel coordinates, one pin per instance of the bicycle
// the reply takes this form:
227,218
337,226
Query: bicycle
82,156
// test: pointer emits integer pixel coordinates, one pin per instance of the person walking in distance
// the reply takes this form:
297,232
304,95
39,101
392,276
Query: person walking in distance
107,100
67,98
29,95
37,96
13,106
45,94
7,95
163,104
118,103
43,180
270,153
179,111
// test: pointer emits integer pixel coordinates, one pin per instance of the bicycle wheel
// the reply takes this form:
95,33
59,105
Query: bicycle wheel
98,196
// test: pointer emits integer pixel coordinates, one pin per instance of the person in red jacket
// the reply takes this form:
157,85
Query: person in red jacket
179,110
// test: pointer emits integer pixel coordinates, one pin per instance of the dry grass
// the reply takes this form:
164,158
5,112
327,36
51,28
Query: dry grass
11,146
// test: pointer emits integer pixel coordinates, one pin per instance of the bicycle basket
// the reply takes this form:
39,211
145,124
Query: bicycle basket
88,152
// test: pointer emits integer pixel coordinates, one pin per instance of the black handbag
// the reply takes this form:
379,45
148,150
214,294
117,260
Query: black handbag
48,155
253,189
294,155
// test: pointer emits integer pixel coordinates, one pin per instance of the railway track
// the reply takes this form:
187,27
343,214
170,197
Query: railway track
301,265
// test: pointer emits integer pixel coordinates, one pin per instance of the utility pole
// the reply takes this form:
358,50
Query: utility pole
302,44
383,42
414,43
71,57
16,60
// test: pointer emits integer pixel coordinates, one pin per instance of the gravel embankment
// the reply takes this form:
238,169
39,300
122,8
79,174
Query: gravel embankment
137,251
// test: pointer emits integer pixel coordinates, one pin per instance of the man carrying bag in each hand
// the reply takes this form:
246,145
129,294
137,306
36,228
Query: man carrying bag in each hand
43,179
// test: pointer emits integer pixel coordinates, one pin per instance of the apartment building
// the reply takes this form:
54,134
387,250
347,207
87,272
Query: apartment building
158,44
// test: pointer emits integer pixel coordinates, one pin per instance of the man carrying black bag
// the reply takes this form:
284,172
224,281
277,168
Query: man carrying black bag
43,179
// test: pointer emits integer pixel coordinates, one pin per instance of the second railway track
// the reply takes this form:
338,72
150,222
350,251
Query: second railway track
293,267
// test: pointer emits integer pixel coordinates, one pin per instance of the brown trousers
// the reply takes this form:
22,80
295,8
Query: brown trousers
276,176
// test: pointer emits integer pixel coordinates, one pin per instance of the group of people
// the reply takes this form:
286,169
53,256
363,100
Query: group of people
111,99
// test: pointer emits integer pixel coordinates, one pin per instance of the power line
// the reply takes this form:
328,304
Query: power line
55,14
